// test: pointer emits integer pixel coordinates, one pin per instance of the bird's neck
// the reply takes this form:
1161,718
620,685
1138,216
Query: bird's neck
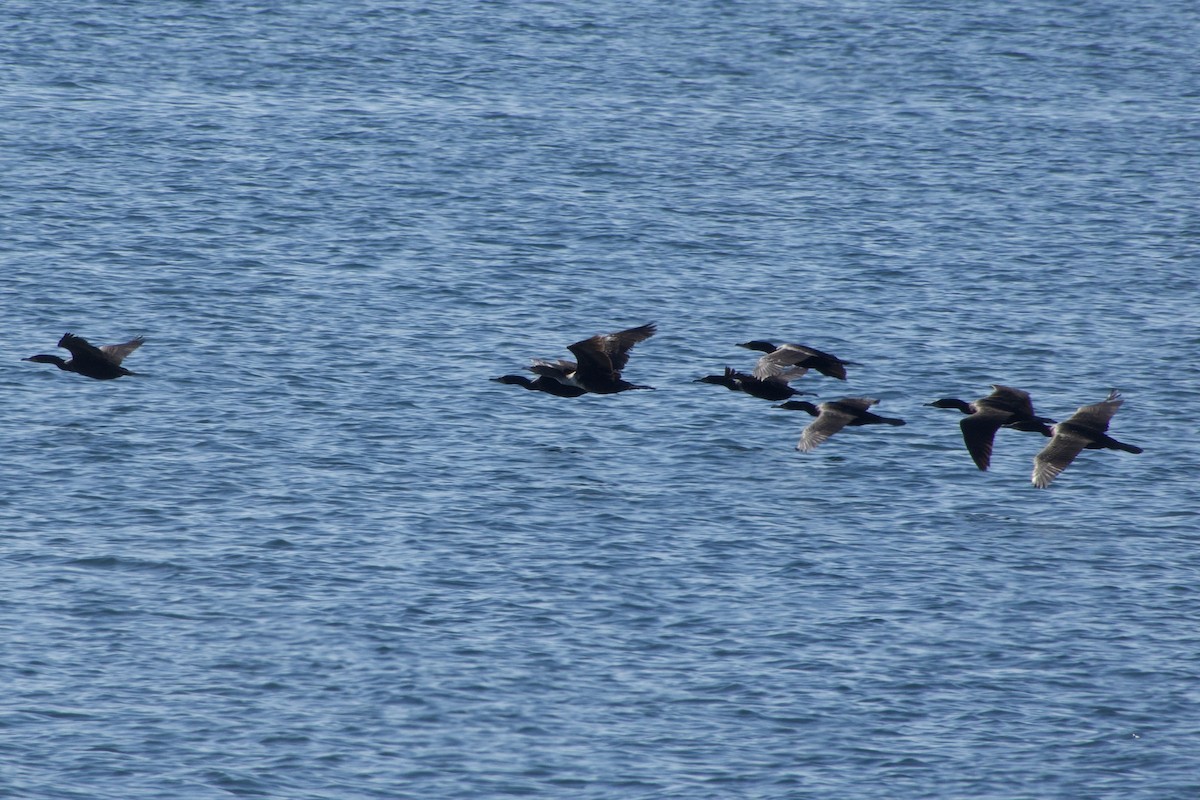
55,360
961,405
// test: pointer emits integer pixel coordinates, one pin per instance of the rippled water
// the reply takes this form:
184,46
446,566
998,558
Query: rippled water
313,552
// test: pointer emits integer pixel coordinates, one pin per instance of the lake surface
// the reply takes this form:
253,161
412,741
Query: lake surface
314,552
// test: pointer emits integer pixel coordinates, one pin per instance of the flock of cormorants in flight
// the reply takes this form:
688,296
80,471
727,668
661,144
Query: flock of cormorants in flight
601,358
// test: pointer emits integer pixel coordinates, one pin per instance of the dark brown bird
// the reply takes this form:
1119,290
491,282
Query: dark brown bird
1086,429
832,416
793,360
1005,407
102,363
599,362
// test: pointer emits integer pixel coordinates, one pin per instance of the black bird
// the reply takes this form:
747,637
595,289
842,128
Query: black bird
542,384
773,389
793,360
1005,407
832,416
1085,429
600,360
101,363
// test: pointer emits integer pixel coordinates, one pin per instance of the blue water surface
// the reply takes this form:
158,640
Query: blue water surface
312,551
